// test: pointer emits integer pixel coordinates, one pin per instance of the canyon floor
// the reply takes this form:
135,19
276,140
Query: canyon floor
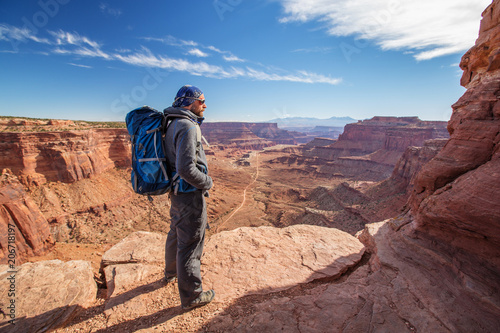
251,188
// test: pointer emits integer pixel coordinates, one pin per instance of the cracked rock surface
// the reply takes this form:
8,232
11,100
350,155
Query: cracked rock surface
263,260
44,295
402,288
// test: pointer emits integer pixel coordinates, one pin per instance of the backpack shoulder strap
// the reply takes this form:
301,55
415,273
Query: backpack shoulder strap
170,117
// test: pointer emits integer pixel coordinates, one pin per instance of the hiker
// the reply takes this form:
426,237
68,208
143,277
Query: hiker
188,211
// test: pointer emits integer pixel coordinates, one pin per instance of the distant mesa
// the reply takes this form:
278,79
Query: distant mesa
242,135
295,123
368,148
305,129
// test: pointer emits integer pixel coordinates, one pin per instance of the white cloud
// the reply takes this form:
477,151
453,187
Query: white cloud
213,48
79,65
226,55
430,28
120,50
83,52
301,76
232,58
73,44
314,50
10,33
65,38
194,48
198,53
145,58
172,41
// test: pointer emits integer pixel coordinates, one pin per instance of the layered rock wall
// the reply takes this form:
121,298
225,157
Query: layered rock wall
23,228
390,133
456,201
66,156
35,158
412,161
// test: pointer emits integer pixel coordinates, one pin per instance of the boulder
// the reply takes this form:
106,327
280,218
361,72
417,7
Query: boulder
138,247
127,266
48,294
264,260
235,263
128,293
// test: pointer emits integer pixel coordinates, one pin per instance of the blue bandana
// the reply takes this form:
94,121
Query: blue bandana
185,96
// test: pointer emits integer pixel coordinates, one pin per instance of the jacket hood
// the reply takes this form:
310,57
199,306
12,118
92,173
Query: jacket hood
185,112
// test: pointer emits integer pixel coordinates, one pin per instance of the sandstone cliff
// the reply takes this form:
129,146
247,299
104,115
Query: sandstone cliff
23,228
66,156
456,201
412,161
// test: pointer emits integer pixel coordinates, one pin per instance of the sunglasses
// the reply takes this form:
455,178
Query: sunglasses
202,101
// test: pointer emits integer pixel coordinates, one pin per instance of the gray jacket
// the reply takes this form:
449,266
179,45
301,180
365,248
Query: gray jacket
185,154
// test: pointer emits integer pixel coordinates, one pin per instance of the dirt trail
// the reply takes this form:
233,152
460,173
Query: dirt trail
244,194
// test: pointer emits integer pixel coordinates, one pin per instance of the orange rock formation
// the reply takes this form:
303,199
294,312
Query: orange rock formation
23,226
66,156
456,196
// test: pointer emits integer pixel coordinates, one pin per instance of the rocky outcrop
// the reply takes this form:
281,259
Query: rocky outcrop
246,135
23,228
46,294
241,262
412,160
12,124
138,247
271,132
455,201
305,135
66,156
235,263
125,266
402,288
319,142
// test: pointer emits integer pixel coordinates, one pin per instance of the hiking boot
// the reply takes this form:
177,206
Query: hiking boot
203,298
169,279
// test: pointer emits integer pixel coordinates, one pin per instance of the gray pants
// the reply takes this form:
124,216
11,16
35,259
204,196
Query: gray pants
184,245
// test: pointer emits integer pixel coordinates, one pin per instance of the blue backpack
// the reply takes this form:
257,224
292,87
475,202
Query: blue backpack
150,174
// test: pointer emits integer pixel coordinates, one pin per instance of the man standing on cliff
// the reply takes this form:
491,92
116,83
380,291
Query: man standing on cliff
188,211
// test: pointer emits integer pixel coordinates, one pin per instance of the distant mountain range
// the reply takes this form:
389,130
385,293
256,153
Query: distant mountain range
305,122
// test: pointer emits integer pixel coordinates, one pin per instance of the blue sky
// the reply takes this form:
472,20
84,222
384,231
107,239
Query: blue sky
255,60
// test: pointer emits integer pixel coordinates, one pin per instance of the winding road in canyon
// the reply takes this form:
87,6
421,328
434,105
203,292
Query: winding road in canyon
244,193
